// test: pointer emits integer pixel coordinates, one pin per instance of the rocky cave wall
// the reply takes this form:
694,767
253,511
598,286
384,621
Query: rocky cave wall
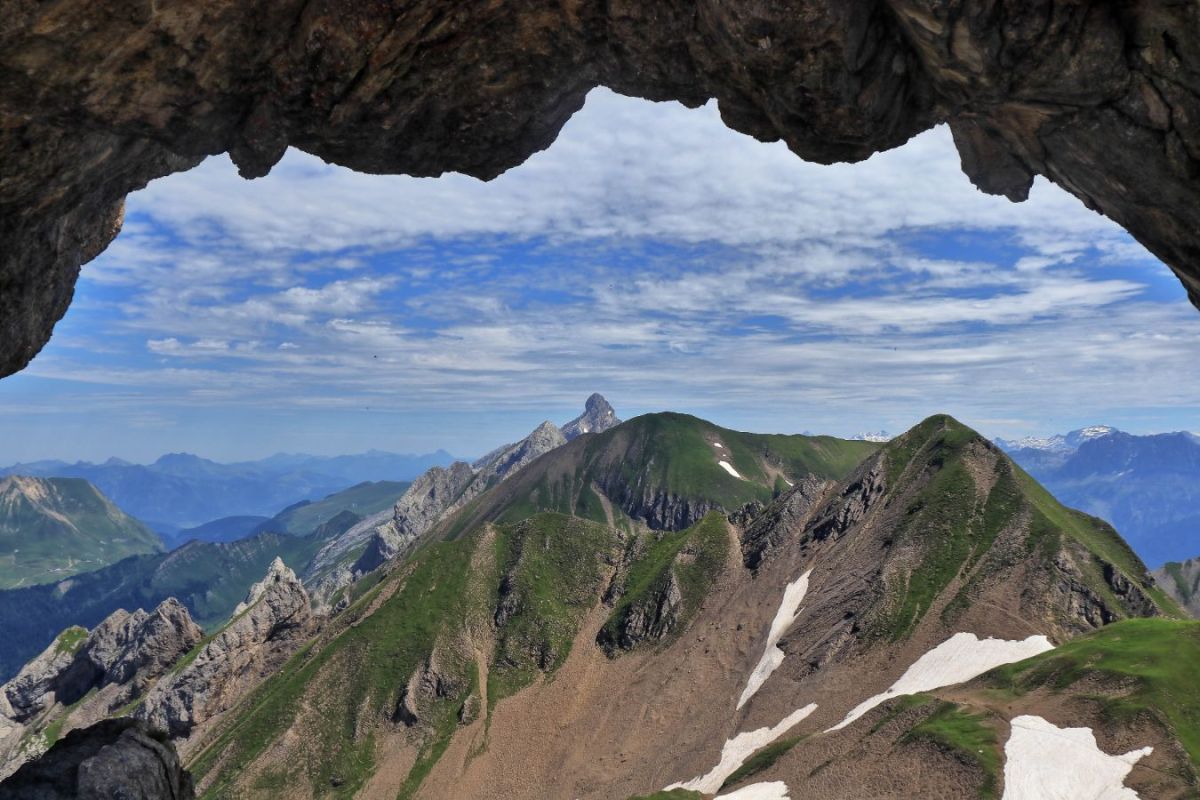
98,98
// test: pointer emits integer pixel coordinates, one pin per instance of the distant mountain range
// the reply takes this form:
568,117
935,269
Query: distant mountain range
180,490
1148,487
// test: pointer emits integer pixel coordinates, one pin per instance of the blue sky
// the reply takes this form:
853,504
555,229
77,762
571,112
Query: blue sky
650,254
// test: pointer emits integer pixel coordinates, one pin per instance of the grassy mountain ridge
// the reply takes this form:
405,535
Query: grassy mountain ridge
967,512
661,471
51,528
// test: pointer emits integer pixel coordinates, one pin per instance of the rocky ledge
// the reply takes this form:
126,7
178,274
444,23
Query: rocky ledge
1101,98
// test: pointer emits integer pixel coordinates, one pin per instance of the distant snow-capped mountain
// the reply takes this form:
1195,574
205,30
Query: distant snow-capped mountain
1059,442
1148,487
877,436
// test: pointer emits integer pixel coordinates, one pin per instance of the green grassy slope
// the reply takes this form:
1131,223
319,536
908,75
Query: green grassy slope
1137,666
363,499
661,469
51,528
544,573
955,494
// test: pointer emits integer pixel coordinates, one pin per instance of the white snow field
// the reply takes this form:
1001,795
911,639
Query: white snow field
725,465
718,444
774,790
772,656
961,657
736,750
1046,762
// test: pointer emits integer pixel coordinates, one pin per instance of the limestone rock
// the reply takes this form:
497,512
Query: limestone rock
125,649
269,626
84,676
429,497
117,758
31,690
767,531
653,619
597,417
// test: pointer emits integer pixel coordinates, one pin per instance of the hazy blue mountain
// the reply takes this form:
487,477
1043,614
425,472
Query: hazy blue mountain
210,578
1148,487
225,529
181,490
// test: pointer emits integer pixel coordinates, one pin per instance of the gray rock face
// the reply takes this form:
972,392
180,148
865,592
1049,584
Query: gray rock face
429,497
112,760
433,496
769,529
33,687
135,648
267,629
652,619
78,680
125,649
597,417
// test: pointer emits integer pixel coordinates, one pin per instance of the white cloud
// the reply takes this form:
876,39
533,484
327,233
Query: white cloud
651,251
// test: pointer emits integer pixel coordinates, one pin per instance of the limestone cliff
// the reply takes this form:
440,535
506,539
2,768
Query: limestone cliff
274,620
83,677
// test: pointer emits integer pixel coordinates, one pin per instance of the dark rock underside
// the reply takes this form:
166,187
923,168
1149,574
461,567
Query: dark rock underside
97,99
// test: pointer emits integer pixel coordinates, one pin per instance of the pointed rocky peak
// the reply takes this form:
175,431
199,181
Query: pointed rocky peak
504,461
84,676
598,416
279,578
263,633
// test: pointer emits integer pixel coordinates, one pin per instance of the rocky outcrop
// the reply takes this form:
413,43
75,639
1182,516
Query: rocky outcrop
117,758
385,544
267,628
1102,99
1181,580
85,676
504,461
429,683
654,618
33,688
770,529
597,417
429,497
127,650
435,495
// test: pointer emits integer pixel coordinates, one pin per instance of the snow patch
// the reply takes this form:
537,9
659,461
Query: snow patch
718,444
1046,762
961,657
772,657
725,465
774,790
736,750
